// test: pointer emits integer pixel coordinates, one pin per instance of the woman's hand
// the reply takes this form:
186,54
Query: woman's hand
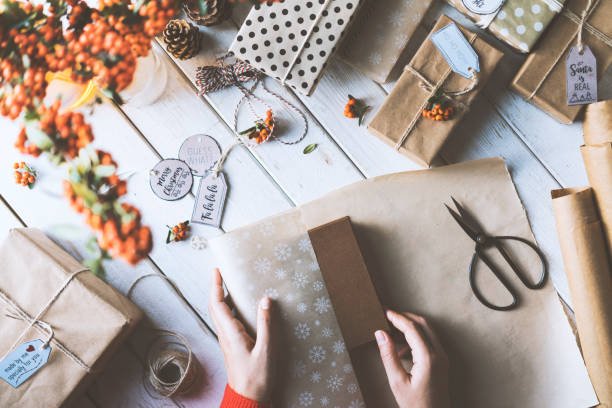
249,362
426,385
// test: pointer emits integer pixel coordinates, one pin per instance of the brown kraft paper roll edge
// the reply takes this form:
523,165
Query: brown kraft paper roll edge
588,272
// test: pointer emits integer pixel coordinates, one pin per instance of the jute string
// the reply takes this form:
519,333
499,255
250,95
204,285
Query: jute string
17,312
431,88
172,369
582,24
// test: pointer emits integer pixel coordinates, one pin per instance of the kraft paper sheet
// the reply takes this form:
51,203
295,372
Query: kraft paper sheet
418,257
89,318
588,273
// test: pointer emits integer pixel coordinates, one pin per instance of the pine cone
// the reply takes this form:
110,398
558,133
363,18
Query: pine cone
216,11
182,39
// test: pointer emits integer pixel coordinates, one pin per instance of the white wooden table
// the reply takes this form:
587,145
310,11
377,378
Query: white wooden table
541,154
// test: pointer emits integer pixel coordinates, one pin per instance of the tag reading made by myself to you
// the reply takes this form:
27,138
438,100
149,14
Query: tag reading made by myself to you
23,362
209,203
581,76
456,50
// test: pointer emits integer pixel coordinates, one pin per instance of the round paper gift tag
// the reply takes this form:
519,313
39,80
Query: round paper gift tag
171,179
201,153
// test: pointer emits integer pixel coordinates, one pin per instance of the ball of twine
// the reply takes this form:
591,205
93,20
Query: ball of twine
172,369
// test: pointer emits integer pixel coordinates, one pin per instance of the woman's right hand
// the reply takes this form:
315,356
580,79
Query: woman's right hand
426,385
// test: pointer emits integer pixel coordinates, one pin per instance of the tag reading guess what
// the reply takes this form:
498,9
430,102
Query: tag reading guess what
209,203
171,179
483,6
201,153
23,362
456,50
581,73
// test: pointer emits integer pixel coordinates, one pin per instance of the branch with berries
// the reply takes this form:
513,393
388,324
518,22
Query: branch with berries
355,108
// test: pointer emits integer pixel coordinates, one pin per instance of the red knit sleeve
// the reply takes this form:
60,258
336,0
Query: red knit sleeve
231,399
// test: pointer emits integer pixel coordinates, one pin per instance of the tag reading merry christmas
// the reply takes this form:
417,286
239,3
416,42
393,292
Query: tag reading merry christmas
456,50
483,6
581,73
23,362
201,153
209,203
171,179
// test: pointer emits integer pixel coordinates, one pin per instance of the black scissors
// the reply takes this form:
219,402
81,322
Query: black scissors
484,241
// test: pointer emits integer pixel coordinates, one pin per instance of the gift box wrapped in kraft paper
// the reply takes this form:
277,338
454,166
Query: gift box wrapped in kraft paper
50,305
542,77
418,259
380,34
519,23
293,41
400,122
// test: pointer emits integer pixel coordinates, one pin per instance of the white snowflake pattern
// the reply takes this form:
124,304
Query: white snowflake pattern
347,368
299,262
375,58
322,305
324,401
300,279
351,388
302,307
327,332
305,399
299,369
262,266
304,245
302,331
318,286
280,273
400,40
335,382
315,376
272,293
317,322
356,404
338,347
333,364
317,354
397,19
313,266
289,297
282,252
266,228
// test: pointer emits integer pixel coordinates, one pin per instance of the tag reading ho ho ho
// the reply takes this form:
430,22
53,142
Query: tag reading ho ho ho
483,7
209,203
456,50
24,362
581,73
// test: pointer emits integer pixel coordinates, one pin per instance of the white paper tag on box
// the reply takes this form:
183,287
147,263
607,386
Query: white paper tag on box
210,201
456,50
483,6
581,73
24,362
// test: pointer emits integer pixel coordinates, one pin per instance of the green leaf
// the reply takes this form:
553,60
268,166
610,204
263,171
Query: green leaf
310,148
104,170
248,131
37,136
95,266
85,193
170,237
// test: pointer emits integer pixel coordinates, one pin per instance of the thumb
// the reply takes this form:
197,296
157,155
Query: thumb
393,366
264,317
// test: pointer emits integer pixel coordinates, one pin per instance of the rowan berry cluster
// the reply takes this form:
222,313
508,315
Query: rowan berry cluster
262,129
178,232
355,108
24,175
439,111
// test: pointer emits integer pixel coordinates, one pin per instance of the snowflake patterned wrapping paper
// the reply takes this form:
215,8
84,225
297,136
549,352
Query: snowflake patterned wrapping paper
418,257
283,260
520,23
379,35
292,40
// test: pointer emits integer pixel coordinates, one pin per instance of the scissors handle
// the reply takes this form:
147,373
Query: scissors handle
497,242
479,254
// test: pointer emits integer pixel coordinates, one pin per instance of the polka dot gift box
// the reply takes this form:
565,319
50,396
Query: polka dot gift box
292,41
517,22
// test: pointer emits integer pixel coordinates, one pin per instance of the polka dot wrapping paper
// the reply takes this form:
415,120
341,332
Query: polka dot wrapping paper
292,40
517,22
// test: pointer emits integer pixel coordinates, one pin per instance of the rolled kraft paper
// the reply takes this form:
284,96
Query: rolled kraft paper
598,164
597,124
590,281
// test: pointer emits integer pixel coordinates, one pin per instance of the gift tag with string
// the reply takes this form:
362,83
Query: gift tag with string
456,50
171,179
24,362
483,7
201,152
210,200
581,76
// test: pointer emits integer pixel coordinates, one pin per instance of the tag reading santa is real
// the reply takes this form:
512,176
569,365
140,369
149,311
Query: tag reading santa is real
456,50
581,73
209,203
23,362
483,6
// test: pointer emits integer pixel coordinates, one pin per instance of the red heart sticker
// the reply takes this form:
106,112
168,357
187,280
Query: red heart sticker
30,348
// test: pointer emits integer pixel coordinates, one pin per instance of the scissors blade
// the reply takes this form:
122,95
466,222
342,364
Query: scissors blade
467,217
468,230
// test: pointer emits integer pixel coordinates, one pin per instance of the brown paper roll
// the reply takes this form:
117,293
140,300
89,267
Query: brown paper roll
597,124
588,272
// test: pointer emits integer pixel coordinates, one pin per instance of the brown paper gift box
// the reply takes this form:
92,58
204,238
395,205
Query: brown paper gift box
541,79
89,318
408,98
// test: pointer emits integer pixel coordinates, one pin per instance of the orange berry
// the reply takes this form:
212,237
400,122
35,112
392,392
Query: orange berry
16,165
438,117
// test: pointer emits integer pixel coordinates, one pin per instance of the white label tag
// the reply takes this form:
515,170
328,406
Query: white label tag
171,179
581,72
23,362
483,6
201,153
456,50
209,203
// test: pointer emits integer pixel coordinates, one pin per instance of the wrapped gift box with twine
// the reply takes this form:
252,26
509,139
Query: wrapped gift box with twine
400,123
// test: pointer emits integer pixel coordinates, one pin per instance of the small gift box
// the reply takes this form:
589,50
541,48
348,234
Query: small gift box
379,35
52,308
542,77
328,306
519,23
293,41
401,122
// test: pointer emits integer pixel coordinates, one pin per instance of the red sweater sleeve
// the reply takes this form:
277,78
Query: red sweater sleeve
231,399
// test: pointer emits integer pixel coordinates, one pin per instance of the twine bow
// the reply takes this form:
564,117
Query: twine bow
216,77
